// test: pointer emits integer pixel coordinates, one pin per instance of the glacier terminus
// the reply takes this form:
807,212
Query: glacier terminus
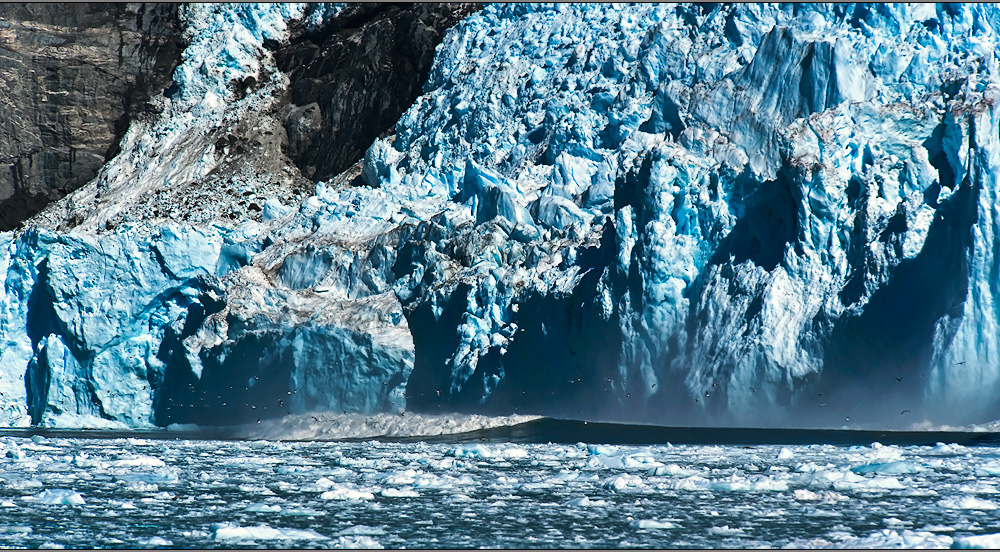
727,215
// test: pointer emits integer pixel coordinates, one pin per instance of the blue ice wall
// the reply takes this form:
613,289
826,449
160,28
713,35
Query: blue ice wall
709,214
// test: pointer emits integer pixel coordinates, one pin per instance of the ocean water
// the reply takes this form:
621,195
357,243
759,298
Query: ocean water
130,492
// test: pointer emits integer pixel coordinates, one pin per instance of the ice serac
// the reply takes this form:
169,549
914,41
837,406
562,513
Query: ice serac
755,214
708,214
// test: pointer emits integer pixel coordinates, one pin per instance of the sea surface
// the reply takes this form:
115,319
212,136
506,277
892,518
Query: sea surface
140,492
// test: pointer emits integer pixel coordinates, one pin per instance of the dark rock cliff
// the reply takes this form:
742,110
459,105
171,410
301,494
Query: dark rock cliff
74,76
353,78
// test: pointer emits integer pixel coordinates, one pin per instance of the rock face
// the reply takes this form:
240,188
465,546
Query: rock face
74,77
744,215
353,78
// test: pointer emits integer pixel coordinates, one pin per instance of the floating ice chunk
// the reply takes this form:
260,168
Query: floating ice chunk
879,451
14,529
399,493
324,483
255,489
157,541
869,484
889,468
671,469
613,461
654,524
786,454
406,477
303,512
471,451
967,503
429,480
145,461
886,538
262,532
60,496
346,494
756,483
939,528
987,542
725,531
164,477
988,469
586,502
514,453
953,448
23,484
692,483
825,496
263,508
361,530
623,482
981,488
601,449
358,542
140,487
896,522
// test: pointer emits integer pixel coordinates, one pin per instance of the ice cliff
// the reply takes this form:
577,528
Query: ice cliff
708,214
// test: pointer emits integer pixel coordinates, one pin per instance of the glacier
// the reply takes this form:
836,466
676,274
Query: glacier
685,214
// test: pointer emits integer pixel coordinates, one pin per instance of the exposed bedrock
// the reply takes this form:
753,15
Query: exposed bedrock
351,79
74,78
